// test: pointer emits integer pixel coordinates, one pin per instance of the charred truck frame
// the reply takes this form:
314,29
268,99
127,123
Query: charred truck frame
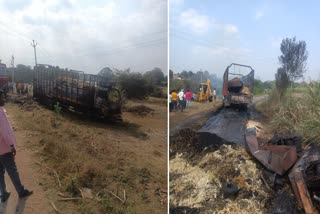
237,87
77,91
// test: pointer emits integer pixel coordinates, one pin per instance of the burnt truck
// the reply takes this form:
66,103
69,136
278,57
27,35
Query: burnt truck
90,94
4,81
238,82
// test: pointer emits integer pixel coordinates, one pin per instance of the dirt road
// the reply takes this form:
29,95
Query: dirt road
29,172
193,116
230,124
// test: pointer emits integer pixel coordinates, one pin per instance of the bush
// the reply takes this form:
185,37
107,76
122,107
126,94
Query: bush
156,92
57,108
133,84
296,111
154,77
136,86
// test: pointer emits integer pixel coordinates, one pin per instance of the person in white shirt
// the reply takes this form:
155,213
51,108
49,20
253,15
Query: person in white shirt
181,99
214,94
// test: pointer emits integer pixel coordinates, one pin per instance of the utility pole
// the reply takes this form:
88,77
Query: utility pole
12,65
34,44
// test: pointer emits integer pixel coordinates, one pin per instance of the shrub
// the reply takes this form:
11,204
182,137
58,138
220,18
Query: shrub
133,84
57,108
296,111
156,92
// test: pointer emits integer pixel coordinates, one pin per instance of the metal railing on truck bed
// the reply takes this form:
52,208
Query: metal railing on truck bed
238,86
84,92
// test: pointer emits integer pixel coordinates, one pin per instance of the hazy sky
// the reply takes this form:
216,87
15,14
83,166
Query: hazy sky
85,35
210,35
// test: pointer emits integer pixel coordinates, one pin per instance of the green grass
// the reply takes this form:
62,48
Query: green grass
298,110
302,90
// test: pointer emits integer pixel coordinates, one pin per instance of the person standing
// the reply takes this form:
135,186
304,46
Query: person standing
181,99
188,97
174,99
7,161
214,94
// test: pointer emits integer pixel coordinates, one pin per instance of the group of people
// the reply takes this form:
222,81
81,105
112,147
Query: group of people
179,100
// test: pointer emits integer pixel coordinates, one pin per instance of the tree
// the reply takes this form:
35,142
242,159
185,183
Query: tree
170,74
282,81
154,77
184,75
133,84
106,72
22,73
293,63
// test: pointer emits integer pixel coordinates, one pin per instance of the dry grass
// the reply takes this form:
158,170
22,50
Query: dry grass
88,154
295,111
200,185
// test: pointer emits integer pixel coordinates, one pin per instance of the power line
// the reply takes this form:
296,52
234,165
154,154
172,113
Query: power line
106,52
133,46
137,39
181,32
20,35
153,42
208,44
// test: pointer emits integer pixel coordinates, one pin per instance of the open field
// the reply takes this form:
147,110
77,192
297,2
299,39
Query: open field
121,167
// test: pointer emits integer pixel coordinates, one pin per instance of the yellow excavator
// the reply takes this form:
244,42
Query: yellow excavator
205,92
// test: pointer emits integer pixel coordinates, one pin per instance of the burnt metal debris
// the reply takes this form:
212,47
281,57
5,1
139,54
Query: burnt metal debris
278,159
304,175
305,179
288,139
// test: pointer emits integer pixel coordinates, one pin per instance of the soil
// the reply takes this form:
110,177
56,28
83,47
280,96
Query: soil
110,159
140,110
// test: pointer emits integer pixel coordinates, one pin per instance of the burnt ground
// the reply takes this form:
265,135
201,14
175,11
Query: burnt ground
199,135
193,116
205,160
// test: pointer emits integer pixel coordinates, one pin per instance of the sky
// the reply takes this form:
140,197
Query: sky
210,35
85,35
